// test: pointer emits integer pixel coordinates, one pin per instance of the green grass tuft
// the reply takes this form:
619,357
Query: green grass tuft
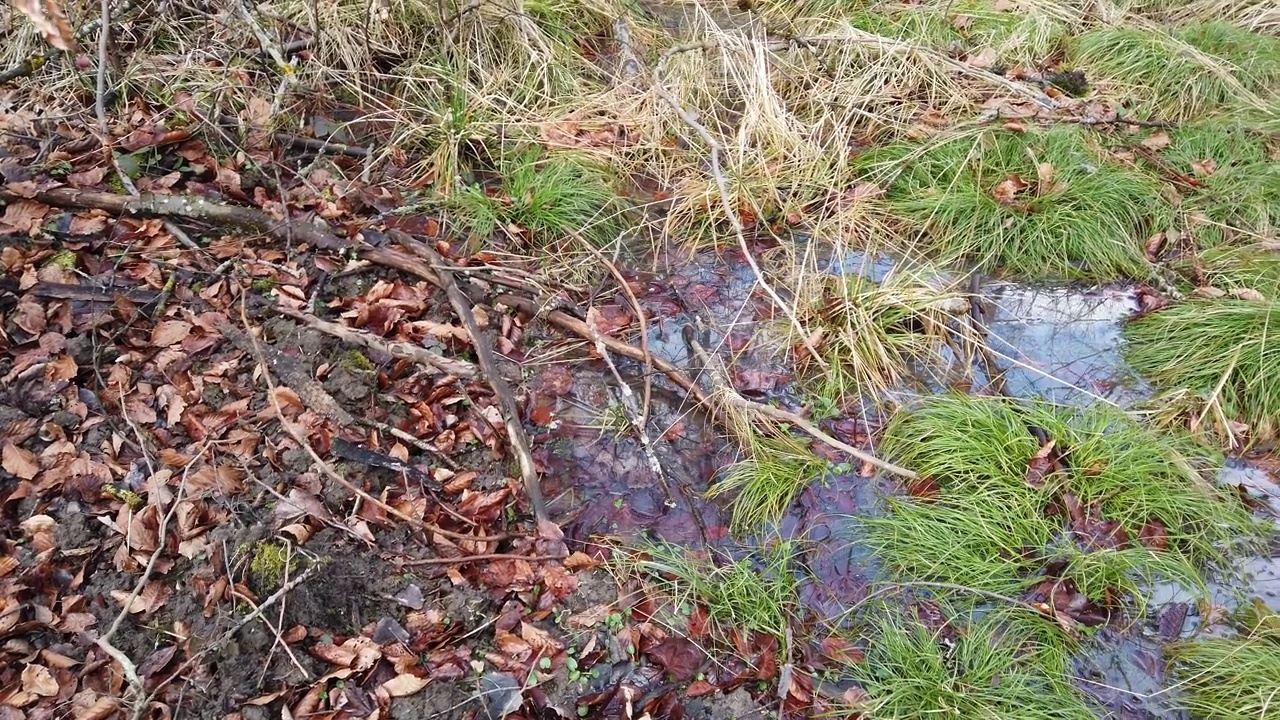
1196,70
751,594
1225,350
544,202
768,480
874,334
990,669
1075,214
1232,678
1239,179
990,529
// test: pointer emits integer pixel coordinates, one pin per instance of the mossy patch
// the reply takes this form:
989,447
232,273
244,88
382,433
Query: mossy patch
271,562
1038,204
1224,350
1123,506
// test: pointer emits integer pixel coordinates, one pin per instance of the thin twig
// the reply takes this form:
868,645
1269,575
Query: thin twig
420,355
489,368
644,329
777,414
723,186
104,40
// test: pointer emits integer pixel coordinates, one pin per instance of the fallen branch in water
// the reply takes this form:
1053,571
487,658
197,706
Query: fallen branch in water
777,414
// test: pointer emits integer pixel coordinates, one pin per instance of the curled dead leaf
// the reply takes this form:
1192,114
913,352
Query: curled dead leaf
1006,193
50,21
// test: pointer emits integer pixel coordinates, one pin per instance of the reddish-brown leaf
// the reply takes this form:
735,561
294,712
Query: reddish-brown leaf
1006,193
680,657
1040,464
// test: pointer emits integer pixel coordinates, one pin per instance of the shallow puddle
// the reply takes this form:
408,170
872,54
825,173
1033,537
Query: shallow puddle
1062,344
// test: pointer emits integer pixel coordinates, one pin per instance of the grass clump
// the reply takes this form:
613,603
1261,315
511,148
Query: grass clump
873,332
751,594
1126,507
1232,678
1038,204
1195,70
768,479
541,202
1238,193
983,669
1224,350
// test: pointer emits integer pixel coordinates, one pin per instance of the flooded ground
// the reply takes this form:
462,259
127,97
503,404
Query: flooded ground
1062,344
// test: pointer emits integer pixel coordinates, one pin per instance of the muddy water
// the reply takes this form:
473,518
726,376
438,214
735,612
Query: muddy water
1062,344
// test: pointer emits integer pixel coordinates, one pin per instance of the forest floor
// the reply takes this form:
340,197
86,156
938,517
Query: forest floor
588,358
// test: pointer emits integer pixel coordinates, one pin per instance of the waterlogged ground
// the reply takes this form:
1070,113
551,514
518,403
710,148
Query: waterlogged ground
1061,343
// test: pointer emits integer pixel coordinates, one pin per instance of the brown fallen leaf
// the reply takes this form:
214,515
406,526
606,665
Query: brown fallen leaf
404,684
18,462
1007,191
1157,140
1044,179
1039,465
1204,168
1248,294
50,21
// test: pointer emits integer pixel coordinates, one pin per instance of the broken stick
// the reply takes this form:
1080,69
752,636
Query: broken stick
488,367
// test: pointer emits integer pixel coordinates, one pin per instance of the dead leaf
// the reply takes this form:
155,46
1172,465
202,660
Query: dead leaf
1204,168
38,681
1157,140
50,21
23,217
20,463
1040,465
1044,179
404,684
170,332
1154,245
1006,192
679,656
984,59
1248,294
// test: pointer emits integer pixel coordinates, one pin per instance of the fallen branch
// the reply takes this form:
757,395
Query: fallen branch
407,351
572,324
489,369
188,207
475,558
733,398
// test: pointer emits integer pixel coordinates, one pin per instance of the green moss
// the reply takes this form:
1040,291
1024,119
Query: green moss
356,361
270,563
990,528
1224,350
65,259
1038,204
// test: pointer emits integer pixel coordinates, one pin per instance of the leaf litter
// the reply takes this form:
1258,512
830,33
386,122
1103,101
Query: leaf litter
142,440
